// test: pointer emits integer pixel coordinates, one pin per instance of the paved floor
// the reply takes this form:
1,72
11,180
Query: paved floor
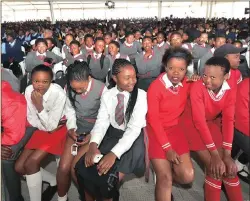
135,189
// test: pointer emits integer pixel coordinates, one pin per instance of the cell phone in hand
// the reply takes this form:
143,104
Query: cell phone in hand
80,138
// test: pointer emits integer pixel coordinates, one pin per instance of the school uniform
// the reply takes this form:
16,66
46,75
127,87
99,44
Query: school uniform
56,51
34,59
148,69
131,50
13,50
166,103
205,129
235,78
161,48
242,107
65,51
49,137
87,51
198,52
203,60
71,59
188,46
241,126
87,106
113,133
13,123
97,71
118,56
106,50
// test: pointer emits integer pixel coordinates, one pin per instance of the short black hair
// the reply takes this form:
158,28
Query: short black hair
177,52
75,42
108,34
42,68
147,37
221,62
115,43
88,36
161,33
175,33
238,41
128,34
41,40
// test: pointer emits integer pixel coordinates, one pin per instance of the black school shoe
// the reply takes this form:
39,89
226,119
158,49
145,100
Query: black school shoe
49,193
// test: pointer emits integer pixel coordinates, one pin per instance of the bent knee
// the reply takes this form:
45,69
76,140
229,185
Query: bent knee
164,180
186,176
19,168
64,168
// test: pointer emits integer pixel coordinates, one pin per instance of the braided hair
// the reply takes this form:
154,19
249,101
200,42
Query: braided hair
78,71
116,69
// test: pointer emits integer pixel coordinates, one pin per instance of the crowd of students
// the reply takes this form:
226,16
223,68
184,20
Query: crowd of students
129,92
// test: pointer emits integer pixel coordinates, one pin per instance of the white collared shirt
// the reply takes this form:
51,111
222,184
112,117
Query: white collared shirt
168,83
89,48
119,55
161,44
225,86
127,44
54,101
13,43
106,116
97,56
212,50
38,54
77,55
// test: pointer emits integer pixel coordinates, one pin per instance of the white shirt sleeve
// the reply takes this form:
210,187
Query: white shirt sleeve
70,115
50,119
136,123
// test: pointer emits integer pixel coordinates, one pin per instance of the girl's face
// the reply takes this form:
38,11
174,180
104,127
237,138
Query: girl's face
107,39
113,50
68,40
213,77
80,87
99,46
89,42
130,39
147,44
176,70
126,79
176,40
160,38
41,81
41,48
74,49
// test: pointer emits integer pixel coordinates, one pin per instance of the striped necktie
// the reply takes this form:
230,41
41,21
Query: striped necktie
119,110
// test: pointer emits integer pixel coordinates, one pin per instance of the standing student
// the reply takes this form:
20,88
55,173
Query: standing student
148,64
168,147
98,62
232,54
211,135
84,94
117,135
130,47
45,109
161,44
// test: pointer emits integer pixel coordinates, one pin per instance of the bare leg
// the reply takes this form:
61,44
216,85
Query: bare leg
163,173
19,165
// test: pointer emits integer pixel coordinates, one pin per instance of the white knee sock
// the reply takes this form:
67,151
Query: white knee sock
64,198
48,177
34,182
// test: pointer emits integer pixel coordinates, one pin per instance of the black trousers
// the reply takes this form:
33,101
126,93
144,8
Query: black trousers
11,183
